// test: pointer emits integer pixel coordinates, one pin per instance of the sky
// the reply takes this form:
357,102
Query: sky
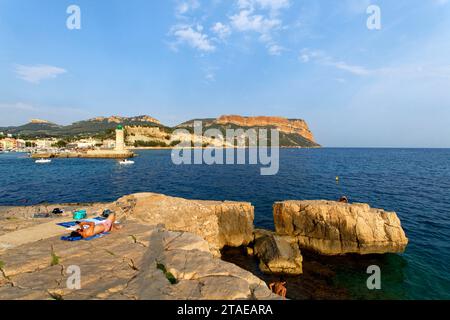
176,60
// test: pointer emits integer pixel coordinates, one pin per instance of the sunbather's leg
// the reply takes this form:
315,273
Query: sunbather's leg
112,217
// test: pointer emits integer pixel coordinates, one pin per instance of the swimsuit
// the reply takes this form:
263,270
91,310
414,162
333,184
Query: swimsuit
108,225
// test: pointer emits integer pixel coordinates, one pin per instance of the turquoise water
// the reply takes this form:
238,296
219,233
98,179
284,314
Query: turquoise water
413,182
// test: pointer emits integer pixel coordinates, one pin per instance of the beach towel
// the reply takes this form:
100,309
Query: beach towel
71,224
73,239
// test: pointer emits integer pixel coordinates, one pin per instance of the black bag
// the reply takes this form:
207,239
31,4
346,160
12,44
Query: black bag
106,213
57,211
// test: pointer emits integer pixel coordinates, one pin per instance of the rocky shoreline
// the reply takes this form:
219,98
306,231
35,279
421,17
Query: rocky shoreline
173,248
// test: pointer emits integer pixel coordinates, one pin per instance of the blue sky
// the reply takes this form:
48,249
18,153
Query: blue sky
181,59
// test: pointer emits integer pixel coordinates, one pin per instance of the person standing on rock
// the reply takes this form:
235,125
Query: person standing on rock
279,288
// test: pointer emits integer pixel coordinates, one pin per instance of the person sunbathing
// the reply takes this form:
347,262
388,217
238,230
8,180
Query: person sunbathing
279,288
90,229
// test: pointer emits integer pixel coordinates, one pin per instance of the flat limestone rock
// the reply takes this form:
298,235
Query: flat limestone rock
31,234
277,254
17,218
220,223
199,275
334,228
126,265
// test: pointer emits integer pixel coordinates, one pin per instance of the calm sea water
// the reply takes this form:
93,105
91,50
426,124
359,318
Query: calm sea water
413,182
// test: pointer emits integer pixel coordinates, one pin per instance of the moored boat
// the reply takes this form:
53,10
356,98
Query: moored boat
126,162
43,161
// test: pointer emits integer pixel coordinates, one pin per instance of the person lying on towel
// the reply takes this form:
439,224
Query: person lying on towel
90,229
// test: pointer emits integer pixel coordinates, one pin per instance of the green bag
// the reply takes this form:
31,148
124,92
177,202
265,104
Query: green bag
80,214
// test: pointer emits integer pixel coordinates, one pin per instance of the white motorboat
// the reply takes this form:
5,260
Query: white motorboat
126,162
43,161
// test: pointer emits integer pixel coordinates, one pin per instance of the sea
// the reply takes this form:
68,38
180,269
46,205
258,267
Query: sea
415,183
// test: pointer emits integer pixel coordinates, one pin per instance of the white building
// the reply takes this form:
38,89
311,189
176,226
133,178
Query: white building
21,143
86,143
45,143
109,144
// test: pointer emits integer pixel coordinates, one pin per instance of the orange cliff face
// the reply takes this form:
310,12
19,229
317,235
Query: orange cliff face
284,125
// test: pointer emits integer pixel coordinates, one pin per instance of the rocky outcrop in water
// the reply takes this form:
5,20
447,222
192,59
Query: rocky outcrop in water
169,248
220,223
333,228
277,255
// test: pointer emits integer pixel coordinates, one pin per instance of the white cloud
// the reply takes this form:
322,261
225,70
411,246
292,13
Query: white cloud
357,6
18,113
258,16
188,31
429,70
247,21
262,17
37,73
354,69
273,5
184,7
221,30
441,2
195,38
17,106
275,50
322,58
210,77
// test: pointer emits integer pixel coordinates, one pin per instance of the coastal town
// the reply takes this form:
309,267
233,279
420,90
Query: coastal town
11,143
14,143
57,148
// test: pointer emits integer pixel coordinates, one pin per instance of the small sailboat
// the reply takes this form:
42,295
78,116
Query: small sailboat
126,162
43,161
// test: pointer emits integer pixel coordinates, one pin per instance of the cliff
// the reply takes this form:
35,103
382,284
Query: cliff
294,126
146,131
292,132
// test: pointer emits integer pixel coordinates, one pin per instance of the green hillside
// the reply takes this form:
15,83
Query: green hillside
103,128
92,127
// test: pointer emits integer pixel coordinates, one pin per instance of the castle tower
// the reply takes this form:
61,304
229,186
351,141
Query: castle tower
120,138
